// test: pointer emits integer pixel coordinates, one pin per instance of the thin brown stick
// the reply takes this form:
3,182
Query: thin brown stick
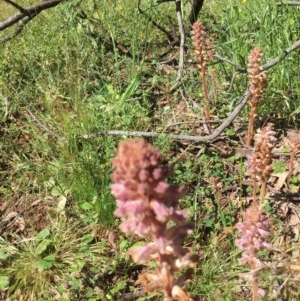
263,190
236,67
181,46
105,34
255,289
170,37
43,126
250,132
279,58
195,10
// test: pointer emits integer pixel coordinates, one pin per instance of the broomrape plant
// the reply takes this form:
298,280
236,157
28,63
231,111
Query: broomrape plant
147,206
254,229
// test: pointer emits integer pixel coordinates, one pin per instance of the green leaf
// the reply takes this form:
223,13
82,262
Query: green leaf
120,285
44,265
43,234
279,167
4,282
76,283
130,89
124,245
56,191
86,206
209,222
50,258
230,132
268,208
42,246
152,264
294,180
86,239
3,255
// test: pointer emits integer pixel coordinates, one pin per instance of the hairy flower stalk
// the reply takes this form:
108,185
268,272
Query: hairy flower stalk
254,234
210,58
147,206
254,230
257,84
260,163
199,42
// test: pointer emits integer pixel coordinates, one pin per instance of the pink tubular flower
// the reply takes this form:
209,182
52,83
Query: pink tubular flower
254,231
254,234
146,205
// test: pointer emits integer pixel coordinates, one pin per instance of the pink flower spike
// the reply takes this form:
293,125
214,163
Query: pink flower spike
146,204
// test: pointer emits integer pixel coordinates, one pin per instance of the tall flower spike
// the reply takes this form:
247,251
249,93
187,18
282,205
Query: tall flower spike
254,234
260,163
257,82
146,204
199,42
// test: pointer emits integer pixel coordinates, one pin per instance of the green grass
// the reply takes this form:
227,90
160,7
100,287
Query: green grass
62,74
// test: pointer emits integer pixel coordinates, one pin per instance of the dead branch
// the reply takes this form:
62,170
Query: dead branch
182,39
266,66
235,66
24,16
195,10
279,58
263,67
43,126
172,39
105,34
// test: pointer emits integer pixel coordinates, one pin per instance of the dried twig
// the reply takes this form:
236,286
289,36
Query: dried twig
24,16
171,38
209,138
236,67
181,46
43,126
280,57
195,10
105,34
